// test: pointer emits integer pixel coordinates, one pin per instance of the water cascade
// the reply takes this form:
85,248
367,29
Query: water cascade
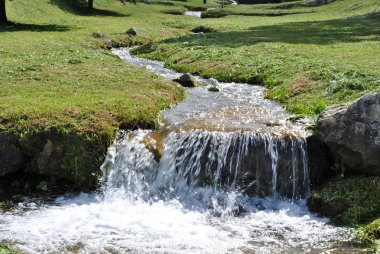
226,173
197,14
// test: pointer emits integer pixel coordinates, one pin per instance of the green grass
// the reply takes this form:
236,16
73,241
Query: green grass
5,249
309,59
53,74
370,234
55,81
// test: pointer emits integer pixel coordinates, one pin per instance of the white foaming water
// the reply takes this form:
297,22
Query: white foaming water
139,212
197,14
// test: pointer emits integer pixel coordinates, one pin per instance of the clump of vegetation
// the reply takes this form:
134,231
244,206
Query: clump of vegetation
5,249
370,234
213,89
356,198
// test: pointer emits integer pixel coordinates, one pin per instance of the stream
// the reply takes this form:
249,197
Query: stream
227,172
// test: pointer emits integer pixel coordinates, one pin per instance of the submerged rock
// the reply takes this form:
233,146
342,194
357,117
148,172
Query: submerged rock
187,80
352,135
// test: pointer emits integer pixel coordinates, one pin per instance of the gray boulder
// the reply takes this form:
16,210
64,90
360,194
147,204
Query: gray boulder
352,135
187,80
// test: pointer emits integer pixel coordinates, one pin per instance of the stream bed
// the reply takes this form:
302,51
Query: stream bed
226,173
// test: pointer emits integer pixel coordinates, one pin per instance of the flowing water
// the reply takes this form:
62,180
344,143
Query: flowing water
226,173
197,14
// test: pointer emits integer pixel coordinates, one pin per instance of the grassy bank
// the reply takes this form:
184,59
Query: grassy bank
57,84
309,57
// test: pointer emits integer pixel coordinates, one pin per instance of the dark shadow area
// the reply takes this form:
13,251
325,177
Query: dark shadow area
222,13
12,27
80,8
258,14
311,3
347,30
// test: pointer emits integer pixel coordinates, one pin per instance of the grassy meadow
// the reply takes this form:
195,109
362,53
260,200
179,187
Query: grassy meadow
308,57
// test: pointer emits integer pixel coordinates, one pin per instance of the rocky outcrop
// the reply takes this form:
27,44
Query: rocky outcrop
187,80
51,156
352,135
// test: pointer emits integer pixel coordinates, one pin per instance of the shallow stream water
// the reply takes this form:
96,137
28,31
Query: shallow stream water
226,173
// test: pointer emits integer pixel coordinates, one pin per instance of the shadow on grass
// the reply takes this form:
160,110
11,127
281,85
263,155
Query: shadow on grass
12,27
347,30
278,14
78,7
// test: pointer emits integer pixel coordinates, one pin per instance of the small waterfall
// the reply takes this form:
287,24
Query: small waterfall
197,14
202,169
129,167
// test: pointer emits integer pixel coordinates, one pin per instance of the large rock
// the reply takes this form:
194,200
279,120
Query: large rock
352,134
187,80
